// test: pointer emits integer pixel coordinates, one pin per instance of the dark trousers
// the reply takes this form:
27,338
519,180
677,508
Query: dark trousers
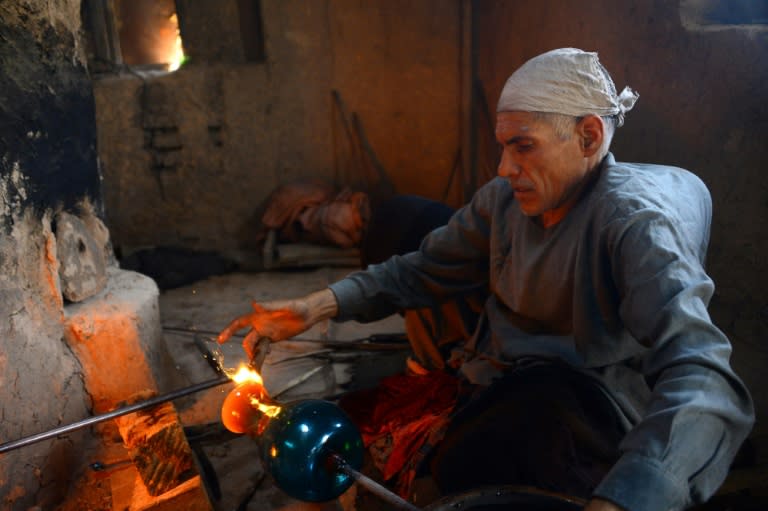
546,426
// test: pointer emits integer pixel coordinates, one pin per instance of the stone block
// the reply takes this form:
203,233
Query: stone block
82,263
117,337
99,231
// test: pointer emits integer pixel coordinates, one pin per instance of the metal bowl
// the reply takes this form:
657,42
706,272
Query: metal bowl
507,498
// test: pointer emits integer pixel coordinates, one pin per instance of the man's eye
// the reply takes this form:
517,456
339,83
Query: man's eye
524,148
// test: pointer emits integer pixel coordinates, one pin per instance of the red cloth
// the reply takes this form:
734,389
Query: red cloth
313,211
401,414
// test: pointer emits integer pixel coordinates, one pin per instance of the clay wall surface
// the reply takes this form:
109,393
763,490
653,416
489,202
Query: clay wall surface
47,164
189,157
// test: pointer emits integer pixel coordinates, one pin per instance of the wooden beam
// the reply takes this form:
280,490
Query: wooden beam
158,447
467,121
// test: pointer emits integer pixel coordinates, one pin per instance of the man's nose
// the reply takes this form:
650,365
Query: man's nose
507,166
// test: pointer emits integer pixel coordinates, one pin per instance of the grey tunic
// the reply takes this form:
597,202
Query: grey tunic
618,290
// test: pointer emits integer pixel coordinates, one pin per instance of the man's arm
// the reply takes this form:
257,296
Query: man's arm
453,260
282,319
699,412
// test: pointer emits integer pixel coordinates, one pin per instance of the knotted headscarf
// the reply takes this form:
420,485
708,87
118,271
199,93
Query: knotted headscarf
565,81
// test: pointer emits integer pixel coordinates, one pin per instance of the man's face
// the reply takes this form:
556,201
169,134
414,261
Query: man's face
543,169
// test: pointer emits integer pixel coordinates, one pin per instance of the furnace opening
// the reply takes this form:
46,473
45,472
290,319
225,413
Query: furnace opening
149,34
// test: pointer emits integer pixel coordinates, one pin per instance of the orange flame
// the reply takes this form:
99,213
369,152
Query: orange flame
244,374
177,53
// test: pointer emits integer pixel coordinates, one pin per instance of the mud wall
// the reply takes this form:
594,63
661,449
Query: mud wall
189,157
47,164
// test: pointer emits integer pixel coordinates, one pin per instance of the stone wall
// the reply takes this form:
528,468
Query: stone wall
189,157
47,163
54,251
41,385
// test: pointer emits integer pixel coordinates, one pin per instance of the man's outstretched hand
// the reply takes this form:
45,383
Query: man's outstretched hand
281,320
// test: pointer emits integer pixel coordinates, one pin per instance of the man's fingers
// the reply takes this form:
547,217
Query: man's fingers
234,326
227,332
257,308
225,335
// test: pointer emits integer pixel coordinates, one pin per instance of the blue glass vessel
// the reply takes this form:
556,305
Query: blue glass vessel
298,444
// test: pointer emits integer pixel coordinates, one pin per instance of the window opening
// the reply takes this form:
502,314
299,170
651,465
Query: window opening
719,14
149,34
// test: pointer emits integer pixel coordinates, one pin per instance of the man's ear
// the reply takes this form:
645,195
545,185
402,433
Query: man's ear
590,132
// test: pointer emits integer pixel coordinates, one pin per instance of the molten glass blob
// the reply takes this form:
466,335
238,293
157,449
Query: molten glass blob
240,411
297,440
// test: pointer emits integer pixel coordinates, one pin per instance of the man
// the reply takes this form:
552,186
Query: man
596,316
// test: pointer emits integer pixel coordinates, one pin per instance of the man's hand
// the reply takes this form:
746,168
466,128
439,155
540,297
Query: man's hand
282,319
602,505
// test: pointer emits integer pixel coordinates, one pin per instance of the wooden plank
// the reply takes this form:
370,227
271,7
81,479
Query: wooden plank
468,121
156,443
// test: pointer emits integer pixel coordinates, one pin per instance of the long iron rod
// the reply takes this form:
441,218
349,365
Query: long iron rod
372,485
22,442
374,342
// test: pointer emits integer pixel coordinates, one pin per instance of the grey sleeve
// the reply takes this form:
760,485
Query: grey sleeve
452,260
700,411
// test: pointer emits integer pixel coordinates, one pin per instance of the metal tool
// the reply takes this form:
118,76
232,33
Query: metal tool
324,355
260,351
374,342
342,466
104,470
149,403
295,382
98,466
208,355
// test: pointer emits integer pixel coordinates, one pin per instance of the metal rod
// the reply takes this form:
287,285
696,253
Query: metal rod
260,352
22,442
372,485
374,342
295,382
208,355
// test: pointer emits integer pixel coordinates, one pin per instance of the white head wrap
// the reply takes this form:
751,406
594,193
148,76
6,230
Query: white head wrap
565,81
